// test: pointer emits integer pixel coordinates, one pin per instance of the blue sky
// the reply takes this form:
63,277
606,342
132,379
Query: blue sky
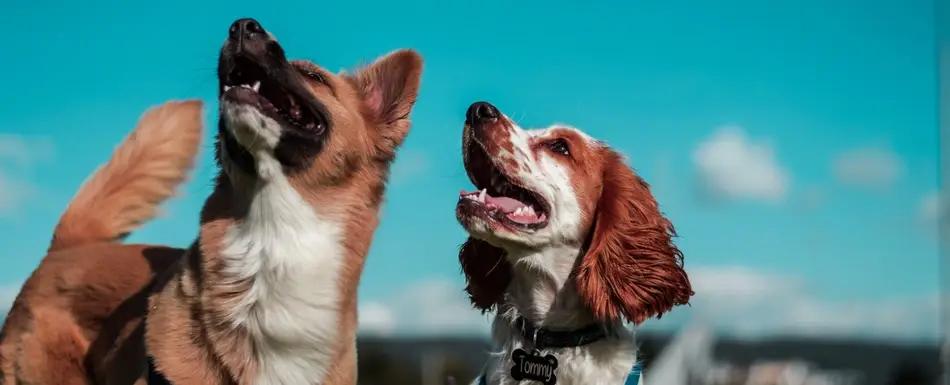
792,143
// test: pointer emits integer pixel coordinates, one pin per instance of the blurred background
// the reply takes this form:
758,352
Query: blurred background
792,143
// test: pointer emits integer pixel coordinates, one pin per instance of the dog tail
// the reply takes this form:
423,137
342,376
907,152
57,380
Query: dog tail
144,171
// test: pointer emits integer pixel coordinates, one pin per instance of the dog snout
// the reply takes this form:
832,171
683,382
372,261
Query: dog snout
246,29
480,113
247,36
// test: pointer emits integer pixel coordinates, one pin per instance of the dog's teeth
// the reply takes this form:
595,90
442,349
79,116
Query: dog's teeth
528,210
519,211
481,195
257,86
226,88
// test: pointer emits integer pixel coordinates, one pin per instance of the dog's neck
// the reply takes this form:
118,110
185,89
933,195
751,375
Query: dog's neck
542,291
281,259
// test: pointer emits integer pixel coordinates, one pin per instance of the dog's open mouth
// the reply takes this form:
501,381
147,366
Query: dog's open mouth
249,83
497,197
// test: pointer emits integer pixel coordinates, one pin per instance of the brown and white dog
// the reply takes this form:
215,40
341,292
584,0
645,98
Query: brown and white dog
566,242
267,292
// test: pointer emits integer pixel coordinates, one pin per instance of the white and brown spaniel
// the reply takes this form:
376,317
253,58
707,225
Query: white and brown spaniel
566,243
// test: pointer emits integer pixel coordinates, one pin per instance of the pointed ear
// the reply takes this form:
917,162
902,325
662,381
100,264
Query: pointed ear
388,90
631,269
487,273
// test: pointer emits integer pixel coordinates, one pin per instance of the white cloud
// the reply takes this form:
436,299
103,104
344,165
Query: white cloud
408,165
376,318
730,165
752,303
12,192
436,306
17,154
872,167
741,284
24,150
738,300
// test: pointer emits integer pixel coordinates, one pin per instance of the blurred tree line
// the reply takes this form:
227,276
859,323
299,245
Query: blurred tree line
432,361
376,368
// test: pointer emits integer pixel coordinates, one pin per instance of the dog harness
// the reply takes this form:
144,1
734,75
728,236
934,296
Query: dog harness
542,338
153,376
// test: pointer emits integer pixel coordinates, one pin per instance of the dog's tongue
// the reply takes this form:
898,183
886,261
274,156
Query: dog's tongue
514,209
506,204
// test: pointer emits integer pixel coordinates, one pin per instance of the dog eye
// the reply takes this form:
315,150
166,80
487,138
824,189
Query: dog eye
312,74
317,76
559,146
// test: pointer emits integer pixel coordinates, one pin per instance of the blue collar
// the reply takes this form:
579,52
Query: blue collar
632,379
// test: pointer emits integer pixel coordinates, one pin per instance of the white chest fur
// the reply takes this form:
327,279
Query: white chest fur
293,256
606,362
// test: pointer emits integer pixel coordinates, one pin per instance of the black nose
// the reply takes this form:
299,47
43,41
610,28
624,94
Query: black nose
481,112
246,29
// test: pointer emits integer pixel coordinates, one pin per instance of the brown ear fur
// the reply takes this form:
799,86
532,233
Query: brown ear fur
388,88
487,273
632,269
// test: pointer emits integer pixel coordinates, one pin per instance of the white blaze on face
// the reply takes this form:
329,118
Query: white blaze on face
251,128
560,189
548,176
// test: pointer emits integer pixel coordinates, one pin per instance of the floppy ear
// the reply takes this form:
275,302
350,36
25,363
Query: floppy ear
487,273
388,89
631,269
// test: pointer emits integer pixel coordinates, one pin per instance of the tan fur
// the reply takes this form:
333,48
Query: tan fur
143,172
89,294
188,333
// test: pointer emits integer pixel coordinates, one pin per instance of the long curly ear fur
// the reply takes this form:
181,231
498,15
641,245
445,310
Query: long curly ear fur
631,269
487,273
